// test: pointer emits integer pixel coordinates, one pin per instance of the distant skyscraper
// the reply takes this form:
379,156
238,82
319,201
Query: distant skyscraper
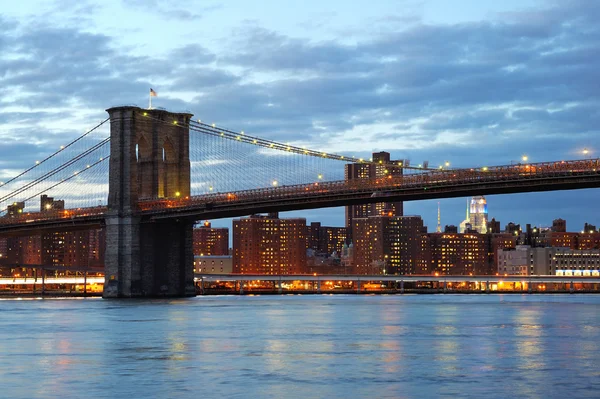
378,168
477,215
439,221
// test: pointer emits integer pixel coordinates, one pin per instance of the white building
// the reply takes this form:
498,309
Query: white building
526,261
477,215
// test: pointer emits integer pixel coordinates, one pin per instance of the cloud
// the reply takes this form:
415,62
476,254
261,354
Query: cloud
474,93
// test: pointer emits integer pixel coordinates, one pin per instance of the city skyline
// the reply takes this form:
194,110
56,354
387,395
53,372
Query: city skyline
476,98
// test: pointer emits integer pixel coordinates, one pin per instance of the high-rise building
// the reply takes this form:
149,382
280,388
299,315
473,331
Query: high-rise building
97,243
478,214
388,245
371,245
325,239
457,254
24,250
269,245
66,248
405,234
380,167
211,241
3,249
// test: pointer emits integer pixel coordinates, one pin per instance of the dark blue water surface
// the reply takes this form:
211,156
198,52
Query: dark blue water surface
536,346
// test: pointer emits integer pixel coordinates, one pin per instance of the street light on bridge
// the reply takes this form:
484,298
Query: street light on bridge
275,183
585,152
525,158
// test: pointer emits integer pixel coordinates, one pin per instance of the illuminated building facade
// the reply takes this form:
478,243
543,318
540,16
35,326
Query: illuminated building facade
97,240
377,169
525,260
388,245
479,214
325,239
66,248
588,240
371,246
25,250
564,240
457,254
269,245
211,241
3,249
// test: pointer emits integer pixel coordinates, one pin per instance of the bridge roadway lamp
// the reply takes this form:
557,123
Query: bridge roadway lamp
274,183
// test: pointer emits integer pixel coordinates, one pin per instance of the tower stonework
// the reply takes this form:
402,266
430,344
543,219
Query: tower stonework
149,160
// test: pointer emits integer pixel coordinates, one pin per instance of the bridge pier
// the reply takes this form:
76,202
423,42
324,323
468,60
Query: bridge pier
149,160
402,287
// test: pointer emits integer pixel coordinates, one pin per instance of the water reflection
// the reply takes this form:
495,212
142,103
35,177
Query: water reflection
298,347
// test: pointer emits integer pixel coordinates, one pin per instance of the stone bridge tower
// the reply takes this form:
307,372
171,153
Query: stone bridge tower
149,159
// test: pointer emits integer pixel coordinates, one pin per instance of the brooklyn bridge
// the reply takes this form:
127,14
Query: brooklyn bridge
147,175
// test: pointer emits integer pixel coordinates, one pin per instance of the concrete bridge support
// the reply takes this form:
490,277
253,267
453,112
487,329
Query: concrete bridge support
149,160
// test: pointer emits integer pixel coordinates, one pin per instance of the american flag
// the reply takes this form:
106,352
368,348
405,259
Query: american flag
153,93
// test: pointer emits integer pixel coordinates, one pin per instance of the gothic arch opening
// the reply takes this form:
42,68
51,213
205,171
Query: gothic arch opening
142,149
168,151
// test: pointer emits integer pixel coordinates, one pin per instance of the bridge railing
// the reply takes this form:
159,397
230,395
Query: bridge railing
377,187
374,187
67,214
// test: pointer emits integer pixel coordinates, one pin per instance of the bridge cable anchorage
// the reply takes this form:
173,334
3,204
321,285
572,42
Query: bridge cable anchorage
76,174
247,139
54,171
62,148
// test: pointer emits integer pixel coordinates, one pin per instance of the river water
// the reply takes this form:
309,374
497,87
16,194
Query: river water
318,346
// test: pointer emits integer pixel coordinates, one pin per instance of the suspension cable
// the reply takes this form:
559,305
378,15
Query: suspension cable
62,148
54,171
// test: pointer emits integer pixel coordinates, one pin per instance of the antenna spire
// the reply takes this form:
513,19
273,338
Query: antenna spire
439,224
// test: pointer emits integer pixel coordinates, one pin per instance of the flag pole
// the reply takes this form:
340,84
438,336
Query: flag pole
150,99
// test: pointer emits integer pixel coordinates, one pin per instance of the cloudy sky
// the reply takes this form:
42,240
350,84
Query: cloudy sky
472,82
